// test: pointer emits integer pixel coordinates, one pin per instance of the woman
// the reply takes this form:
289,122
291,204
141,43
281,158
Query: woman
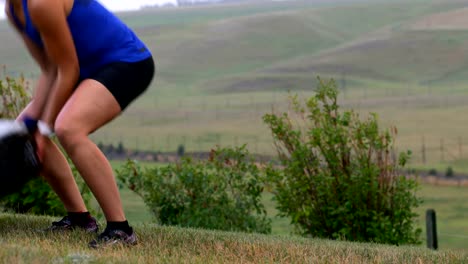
92,66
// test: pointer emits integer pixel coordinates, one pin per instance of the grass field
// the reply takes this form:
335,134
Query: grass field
219,76
22,243
220,68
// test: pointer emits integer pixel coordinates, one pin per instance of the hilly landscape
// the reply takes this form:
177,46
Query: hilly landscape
221,67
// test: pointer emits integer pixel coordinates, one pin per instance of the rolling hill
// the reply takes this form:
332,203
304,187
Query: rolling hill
221,67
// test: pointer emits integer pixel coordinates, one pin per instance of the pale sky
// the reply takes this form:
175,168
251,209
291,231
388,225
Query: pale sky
119,5
115,5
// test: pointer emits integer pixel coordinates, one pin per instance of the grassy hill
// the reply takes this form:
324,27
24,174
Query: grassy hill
22,243
221,67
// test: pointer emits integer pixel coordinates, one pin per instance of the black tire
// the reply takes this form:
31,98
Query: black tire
18,162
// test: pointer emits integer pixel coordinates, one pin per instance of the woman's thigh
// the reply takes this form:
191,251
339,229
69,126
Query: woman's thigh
100,98
90,106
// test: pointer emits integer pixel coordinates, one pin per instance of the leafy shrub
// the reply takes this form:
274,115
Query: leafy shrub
36,196
220,193
340,178
14,96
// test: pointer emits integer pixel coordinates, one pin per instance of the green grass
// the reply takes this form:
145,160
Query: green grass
451,206
405,55
21,243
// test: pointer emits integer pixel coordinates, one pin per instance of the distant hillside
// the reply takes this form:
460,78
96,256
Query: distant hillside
220,67
182,3
358,39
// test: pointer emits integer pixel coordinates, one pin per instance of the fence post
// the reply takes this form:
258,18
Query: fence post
431,229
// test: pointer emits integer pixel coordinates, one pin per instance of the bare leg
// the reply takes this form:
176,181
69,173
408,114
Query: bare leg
90,107
57,173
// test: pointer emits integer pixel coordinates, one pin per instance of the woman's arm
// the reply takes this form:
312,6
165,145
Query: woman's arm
48,72
43,84
50,19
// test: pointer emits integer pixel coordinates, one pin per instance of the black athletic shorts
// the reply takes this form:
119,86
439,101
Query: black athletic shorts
126,80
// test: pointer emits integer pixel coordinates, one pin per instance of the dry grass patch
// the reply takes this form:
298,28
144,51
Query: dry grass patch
450,20
21,243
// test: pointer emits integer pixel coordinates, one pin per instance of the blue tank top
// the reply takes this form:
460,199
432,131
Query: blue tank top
100,37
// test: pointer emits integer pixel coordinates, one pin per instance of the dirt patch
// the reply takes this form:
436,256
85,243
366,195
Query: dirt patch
451,20
334,69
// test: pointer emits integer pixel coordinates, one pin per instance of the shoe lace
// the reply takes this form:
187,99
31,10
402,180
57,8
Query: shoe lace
63,222
108,234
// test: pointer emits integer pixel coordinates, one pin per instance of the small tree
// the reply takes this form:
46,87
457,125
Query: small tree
120,148
340,178
449,173
181,150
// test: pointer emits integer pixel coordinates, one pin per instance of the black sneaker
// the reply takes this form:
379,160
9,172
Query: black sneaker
114,237
65,224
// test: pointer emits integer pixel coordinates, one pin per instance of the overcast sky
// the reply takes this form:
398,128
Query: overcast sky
116,5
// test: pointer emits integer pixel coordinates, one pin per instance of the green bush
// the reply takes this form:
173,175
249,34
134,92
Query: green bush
36,196
340,178
220,193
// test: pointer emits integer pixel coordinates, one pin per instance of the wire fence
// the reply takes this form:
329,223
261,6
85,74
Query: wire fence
197,123
450,151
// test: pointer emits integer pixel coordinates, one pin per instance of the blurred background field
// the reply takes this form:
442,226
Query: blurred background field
220,68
